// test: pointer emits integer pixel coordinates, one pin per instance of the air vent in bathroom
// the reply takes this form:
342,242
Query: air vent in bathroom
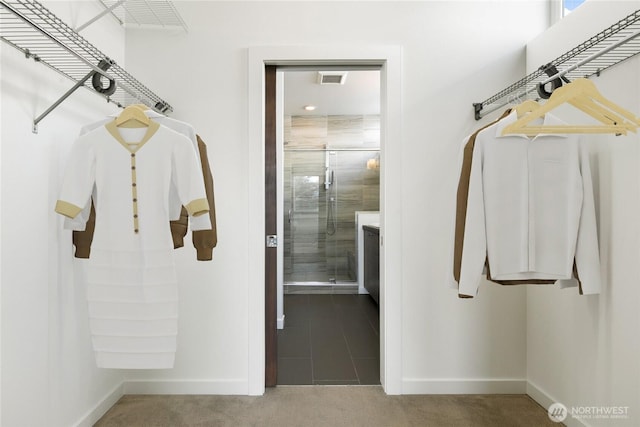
332,77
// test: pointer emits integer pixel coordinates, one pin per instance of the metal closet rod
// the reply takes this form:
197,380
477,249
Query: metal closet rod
54,39
592,64
478,107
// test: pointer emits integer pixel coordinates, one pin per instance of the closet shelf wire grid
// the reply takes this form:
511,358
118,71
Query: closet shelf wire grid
606,49
40,35
160,13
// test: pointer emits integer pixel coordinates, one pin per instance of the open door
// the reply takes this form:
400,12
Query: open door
271,226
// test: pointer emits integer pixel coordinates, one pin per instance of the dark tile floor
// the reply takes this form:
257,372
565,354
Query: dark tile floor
329,339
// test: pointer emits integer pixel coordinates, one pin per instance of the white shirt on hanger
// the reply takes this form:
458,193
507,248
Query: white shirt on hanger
530,209
202,222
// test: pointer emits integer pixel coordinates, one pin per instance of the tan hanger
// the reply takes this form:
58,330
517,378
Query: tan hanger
132,117
582,94
607,118
141,106
526,107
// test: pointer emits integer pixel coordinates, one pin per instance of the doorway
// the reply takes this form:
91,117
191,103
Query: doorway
329,170
261,299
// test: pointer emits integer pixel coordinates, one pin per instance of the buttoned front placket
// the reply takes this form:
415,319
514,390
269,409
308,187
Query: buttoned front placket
523,158
134,194
528,232
531,229
113,130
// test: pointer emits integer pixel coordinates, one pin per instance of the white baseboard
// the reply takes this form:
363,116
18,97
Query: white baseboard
455,386
229,387
240,387
539,396
101,408
545,400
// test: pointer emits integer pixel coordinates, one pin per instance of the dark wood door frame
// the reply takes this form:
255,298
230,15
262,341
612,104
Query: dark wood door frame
271,222
271,228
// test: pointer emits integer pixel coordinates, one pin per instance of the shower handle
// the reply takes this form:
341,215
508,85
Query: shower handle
328,178
289,215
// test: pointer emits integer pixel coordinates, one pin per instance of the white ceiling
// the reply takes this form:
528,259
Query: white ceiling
360,94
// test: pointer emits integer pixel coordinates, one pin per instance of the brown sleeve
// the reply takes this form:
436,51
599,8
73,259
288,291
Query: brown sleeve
205,240
82,239
461,205
575,274
179,229
462,197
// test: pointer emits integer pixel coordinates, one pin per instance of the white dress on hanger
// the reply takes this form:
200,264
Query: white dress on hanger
132,286
201,222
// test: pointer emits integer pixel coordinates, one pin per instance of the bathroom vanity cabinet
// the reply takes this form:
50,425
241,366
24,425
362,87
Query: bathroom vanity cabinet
372,260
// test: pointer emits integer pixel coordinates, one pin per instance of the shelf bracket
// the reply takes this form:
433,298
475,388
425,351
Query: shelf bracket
100,15
103,65
477,108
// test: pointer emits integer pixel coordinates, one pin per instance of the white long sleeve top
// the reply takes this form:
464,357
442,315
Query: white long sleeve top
133,183
530,209
201,222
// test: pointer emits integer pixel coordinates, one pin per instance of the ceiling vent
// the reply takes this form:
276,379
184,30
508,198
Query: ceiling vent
332,77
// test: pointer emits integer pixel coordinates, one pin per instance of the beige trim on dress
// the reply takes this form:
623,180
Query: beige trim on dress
67,209
197,207
151,130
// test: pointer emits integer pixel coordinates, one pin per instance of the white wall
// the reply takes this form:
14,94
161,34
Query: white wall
453,55
49,376
584,350
578,350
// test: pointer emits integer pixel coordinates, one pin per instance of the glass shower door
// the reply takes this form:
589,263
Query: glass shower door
322,191
353,188
304,227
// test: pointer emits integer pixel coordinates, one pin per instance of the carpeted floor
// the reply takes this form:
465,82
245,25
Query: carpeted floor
326,406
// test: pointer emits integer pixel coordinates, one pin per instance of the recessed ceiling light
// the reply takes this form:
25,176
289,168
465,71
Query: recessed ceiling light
309,107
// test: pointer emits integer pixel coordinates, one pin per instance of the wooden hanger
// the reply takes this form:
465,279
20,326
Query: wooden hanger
140,106
132,117
526,107
582,94
530,105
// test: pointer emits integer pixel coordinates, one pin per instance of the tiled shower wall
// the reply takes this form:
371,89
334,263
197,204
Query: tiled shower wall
320,234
